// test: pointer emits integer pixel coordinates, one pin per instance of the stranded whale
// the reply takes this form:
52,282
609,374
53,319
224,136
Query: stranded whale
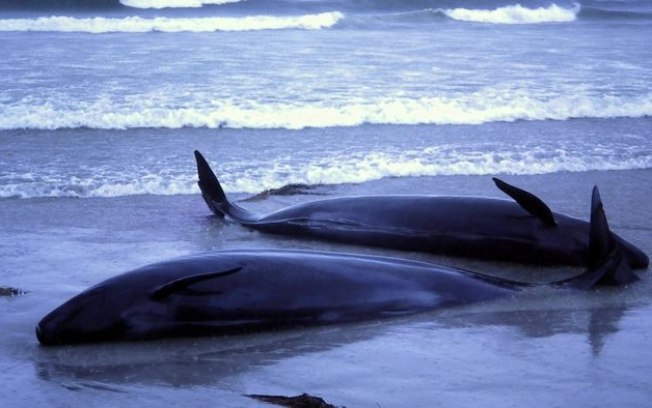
524,230
240,291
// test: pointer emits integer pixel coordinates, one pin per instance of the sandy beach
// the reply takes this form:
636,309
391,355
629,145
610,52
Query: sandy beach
555,347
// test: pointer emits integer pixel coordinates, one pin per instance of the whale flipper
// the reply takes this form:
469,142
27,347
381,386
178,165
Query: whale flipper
528,201
182,285
213,194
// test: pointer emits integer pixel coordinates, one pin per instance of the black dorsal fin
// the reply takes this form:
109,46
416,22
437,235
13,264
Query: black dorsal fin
603,248
528,201
182,284
606,263
600,240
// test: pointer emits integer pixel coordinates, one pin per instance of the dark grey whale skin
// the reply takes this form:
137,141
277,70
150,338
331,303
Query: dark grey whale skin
241,291
245,290
523,231
236,291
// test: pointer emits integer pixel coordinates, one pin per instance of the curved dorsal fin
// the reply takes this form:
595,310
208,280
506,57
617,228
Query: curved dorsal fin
182,284
606,263
528,201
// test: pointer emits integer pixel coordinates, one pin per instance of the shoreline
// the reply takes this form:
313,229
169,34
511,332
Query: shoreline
56,247
169,226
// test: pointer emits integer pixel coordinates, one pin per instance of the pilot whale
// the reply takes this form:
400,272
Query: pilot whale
524,230
246,290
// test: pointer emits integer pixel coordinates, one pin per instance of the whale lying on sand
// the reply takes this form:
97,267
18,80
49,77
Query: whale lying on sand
524,230
241,291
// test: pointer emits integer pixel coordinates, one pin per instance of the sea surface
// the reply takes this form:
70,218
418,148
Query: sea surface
102,104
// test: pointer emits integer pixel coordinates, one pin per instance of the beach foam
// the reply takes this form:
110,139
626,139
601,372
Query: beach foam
477,108
38,185
335,168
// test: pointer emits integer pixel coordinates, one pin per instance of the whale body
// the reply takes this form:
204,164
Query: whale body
236,291
251,290
524,230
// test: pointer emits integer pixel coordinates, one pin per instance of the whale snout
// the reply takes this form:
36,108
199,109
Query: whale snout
46,333
42,336
56,333
77,320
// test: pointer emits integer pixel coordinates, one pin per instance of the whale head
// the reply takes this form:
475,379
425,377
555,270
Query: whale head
91,316
136,305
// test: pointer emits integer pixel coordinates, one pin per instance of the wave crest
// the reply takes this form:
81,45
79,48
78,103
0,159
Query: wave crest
135,24
160,4
477,108
33,185
336,168
516,14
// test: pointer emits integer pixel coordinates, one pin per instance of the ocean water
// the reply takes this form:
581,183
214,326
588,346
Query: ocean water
131,72
103,102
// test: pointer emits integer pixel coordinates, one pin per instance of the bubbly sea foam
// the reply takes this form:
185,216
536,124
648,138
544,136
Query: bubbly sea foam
507,15
482,107
161,4
516,14
136,24
335,166
97,103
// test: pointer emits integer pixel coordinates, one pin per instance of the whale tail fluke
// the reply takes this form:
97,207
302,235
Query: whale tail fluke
210,187
606,265
214,195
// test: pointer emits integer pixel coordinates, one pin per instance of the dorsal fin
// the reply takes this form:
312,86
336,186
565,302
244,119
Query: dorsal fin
602,247
528,201
606,263
600,240
182,284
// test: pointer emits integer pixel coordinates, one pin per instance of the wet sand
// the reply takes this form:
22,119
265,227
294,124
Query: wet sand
543,348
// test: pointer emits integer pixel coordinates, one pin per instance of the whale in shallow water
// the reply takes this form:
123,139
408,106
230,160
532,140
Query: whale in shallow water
524,230
240,291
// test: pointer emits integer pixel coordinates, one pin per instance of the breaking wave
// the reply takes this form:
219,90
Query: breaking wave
160,4
516,14
136,24
371,13
33,185
440,161
477,108
337,168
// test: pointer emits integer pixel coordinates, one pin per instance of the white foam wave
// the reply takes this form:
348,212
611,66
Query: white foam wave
441,161
482,107
338,168
135,24
99,185
516,14
160,4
